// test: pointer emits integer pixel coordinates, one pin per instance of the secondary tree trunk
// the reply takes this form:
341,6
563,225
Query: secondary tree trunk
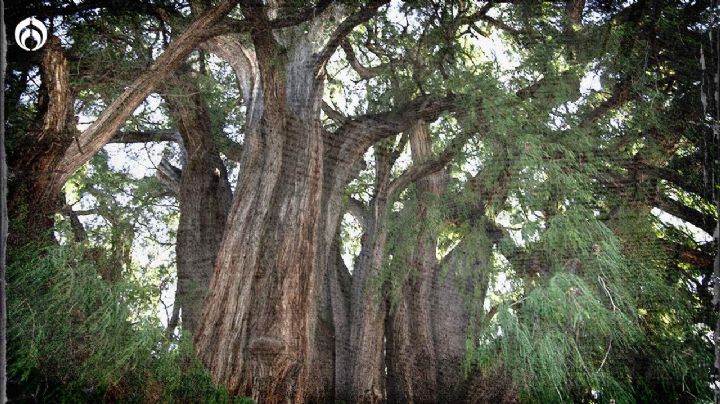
368,305
204,197
32,163
412,369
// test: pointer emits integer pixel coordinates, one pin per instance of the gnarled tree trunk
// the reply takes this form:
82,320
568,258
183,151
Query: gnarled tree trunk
258,334
266,315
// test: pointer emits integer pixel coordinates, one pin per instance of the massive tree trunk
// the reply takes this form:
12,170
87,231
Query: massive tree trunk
204,198
264,319
258,334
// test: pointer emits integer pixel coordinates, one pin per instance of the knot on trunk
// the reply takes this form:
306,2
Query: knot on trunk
265,347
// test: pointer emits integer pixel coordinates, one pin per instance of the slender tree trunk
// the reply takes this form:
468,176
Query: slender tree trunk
204,197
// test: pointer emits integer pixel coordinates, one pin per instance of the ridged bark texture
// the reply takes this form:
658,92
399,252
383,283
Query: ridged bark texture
204,198
412,360
368,306
258,334
33,198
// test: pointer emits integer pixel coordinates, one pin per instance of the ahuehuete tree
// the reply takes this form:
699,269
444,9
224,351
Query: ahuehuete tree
283,318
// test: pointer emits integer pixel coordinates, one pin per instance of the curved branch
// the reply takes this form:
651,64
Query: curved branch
621,95
241,59
113,117
371,128
344,29
430,166
358,210
365,73
169,176
333,114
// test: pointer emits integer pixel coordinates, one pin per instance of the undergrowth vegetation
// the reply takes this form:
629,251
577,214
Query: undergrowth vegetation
74,336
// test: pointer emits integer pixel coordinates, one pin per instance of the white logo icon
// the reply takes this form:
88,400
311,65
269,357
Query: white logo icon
30,28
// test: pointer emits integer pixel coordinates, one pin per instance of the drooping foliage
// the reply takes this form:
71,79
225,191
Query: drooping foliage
77,337
546,236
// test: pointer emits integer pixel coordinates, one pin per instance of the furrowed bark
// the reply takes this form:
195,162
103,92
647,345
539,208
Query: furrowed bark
368,307
33,166
258,334
204,198
412,369
266,316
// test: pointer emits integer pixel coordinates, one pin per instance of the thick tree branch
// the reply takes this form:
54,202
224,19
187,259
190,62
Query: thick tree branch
621,95
241,59
698,258
85,212
173,320
333,114
667,174
371,128
77,227
78,230
107,124
681,211
499,24
358,210
481,15
430,166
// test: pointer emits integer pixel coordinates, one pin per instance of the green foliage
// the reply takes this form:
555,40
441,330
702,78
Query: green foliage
74,337
573,286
